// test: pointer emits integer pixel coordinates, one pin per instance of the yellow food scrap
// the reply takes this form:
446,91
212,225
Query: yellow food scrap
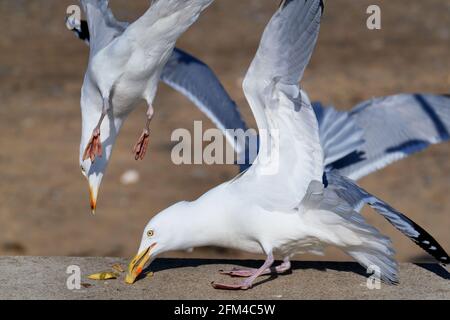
118,268
103,276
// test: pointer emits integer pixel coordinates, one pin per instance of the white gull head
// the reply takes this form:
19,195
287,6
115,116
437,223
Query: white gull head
182,226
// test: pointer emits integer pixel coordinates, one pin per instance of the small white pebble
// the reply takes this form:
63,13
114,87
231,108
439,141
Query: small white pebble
28,123
130,177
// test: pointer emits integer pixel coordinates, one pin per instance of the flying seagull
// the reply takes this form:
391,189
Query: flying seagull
372,135
126,63
195,80
285,203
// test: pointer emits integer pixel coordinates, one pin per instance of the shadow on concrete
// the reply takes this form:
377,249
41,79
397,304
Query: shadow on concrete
353,267
437,269
173,263
425,261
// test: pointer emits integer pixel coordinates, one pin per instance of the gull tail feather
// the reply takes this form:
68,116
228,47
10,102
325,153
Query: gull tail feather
347,229
358,197
378,264
375,253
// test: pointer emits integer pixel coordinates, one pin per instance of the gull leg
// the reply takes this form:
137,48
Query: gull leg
247,283
94,146
141,146
236,272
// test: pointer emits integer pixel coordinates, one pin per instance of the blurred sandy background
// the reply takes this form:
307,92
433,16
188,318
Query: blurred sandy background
44,207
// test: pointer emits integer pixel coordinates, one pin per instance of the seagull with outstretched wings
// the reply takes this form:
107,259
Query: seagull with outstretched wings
289,201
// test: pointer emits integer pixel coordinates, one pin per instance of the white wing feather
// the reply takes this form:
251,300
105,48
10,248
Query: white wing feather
290,154
103,26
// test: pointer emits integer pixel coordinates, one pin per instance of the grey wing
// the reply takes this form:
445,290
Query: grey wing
392,128
103,27
287,43
339,133
357,197
284,52
198,83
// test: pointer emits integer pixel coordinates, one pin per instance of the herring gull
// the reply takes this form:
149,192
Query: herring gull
286,203
126,63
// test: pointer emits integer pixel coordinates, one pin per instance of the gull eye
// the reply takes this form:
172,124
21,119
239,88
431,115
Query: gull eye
150,233
83,171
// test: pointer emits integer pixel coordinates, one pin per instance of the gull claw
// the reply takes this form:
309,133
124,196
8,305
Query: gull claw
223,286
141,146
235,272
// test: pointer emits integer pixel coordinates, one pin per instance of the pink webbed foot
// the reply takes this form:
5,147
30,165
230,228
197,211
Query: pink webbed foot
236,272
141,146
248,282
94,147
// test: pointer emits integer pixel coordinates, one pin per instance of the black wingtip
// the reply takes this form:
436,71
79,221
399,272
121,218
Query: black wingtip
404,224
322,6
84,32
428,243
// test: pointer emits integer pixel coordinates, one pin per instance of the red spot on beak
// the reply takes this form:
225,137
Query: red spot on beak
93,200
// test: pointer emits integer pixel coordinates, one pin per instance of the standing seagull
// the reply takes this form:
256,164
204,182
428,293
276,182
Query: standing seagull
125,65
281,206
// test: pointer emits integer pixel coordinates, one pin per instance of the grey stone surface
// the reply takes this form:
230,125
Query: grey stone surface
45,278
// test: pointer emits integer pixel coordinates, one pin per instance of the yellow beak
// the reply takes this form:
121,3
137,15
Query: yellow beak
137,264
93,193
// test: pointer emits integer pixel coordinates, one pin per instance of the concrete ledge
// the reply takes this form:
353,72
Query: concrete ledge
45,278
